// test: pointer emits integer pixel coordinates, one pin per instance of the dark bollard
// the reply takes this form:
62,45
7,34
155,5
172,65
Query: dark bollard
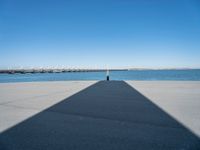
107,78
107,75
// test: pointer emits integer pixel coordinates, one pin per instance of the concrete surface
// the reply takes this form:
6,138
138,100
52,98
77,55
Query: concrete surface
19,101
100,115
180,99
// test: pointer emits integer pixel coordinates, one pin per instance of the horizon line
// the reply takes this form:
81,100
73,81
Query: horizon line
100,68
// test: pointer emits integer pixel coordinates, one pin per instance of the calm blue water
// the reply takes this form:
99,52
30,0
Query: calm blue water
190,75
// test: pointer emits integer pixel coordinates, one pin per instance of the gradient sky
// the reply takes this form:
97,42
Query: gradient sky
98,33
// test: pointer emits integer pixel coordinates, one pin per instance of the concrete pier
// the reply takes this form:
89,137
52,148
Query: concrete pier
100,115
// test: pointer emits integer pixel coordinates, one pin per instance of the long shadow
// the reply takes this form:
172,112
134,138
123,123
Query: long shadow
106,115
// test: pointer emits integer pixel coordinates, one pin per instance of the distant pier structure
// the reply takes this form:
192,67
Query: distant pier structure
25,71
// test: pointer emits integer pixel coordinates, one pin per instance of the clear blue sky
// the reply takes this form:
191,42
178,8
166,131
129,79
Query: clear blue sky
90,33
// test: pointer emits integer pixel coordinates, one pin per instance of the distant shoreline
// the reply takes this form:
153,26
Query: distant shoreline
24,71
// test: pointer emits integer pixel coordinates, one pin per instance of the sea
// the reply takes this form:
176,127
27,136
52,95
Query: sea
142,75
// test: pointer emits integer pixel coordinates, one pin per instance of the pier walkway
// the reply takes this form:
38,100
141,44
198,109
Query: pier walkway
99,115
